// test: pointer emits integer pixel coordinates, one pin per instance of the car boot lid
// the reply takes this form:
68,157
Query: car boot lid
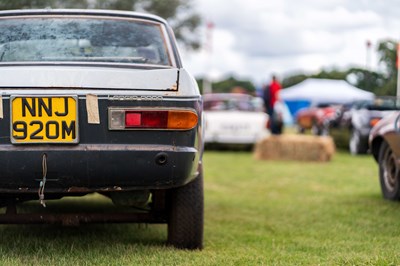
73,77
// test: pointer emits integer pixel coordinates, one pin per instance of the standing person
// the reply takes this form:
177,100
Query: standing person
274,106
267,99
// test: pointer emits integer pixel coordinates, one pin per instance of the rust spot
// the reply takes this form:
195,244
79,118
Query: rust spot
88,190
79,189
70,220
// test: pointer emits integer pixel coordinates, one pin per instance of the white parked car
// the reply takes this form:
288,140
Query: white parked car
233,118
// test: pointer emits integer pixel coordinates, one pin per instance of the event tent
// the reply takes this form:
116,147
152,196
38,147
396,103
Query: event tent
315,91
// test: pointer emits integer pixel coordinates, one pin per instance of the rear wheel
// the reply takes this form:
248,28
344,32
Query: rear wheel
389,176
186,215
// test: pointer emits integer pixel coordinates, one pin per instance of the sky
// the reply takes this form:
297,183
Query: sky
253,39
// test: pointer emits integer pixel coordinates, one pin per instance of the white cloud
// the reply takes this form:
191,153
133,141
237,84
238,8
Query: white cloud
254,38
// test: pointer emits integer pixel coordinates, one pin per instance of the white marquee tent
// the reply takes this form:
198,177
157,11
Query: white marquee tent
325,91
314,91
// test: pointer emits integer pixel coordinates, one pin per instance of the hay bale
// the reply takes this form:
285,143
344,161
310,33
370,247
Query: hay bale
295,147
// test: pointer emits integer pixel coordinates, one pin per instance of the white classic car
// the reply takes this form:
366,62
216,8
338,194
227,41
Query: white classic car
233,118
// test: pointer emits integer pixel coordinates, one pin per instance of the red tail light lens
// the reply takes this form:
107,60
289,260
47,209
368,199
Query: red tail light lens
133,119
146,119
120,119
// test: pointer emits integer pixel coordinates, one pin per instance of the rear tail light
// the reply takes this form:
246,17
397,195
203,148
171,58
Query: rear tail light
170,119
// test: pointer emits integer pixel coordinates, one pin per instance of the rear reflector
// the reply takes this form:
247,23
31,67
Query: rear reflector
129,118
133,119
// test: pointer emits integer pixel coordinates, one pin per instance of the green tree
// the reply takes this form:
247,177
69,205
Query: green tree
230,84
332,74
358,77
28,4
293,80
179,13
387,57
368,80
380,83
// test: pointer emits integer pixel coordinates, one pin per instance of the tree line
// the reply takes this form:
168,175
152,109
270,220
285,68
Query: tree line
381,82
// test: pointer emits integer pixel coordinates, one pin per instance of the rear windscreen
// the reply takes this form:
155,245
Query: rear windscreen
233,104
82,39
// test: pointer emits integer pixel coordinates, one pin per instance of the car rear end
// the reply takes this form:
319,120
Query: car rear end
235,127
98,139
98,101
234,119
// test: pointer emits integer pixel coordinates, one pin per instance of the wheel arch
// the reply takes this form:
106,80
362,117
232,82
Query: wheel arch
375,147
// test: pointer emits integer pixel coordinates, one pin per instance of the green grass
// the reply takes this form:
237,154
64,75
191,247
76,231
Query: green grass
256,213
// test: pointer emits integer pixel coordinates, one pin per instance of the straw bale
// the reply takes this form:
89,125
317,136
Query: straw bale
295,147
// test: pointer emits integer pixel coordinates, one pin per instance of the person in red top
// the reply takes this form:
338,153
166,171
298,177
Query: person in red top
275,116
274,88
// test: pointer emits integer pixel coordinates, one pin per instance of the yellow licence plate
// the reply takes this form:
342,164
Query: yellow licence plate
47,119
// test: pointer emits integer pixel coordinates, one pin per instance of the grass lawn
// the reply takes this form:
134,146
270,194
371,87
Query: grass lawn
256,213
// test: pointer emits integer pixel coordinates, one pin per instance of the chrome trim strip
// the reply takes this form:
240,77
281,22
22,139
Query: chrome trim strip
95,148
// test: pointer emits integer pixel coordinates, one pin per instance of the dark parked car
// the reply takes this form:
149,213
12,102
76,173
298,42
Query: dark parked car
356,122
98,101
384,142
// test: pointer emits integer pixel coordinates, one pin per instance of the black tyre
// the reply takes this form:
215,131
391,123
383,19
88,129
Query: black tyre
356,145
186,215
389,173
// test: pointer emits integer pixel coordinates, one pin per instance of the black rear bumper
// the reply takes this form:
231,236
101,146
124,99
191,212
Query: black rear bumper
95,167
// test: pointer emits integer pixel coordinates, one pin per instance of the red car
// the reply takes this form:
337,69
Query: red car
316,118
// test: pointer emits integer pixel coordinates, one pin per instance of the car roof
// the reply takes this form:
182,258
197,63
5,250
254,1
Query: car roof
91,12
226,96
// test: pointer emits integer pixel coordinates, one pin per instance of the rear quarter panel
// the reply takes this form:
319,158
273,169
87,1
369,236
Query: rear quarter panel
386,130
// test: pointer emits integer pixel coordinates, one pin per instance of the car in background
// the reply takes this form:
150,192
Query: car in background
384,141
316,118
98,101
356,122
234,119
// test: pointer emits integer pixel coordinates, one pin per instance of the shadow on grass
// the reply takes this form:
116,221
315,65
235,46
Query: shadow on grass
371,199
59,240
149,235
229,147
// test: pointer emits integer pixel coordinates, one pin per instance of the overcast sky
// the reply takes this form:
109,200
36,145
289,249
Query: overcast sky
252,39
